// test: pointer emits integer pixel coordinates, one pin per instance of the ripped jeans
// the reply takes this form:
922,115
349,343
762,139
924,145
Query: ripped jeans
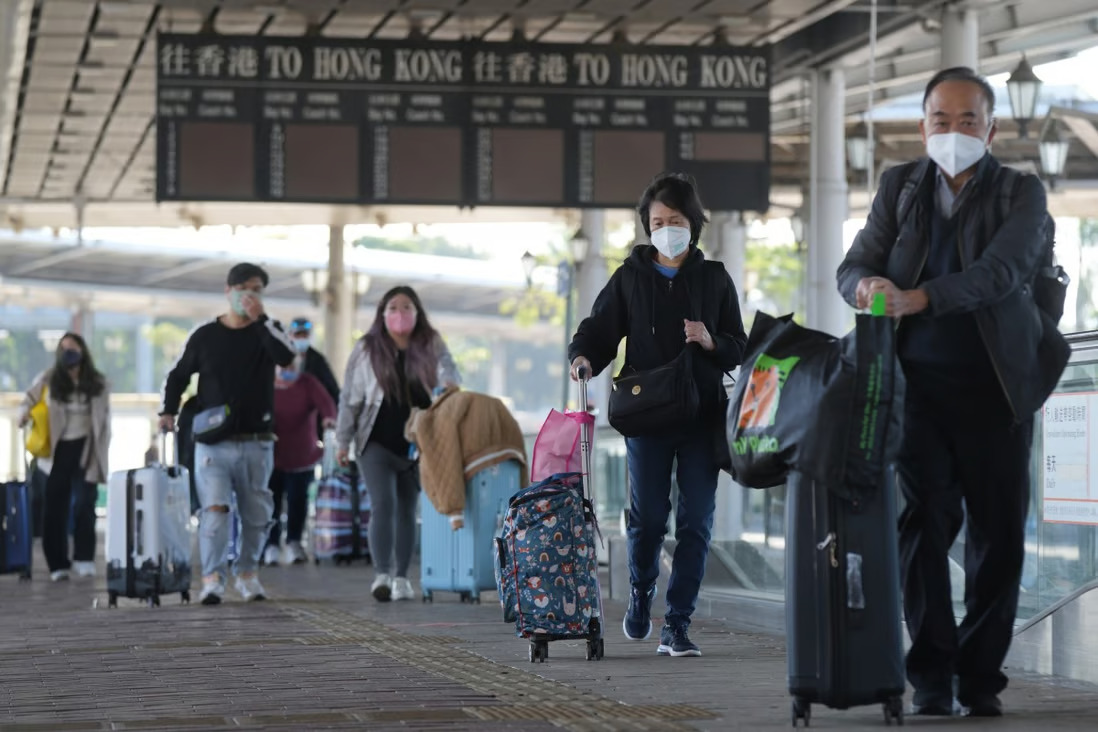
243,468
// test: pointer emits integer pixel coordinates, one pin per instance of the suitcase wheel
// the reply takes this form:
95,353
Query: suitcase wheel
802,709
539,651
185,597
316,561
112,599
153,601
894,709
428,598
595,648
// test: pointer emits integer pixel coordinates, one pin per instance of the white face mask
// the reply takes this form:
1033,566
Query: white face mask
671,241
955,152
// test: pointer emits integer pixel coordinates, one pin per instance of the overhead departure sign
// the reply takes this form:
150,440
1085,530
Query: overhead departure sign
244,118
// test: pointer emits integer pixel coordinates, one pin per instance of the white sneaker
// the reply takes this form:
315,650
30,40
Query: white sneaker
61,575
84,569
295,553
402,589
212,590
249,588
271,556
382,588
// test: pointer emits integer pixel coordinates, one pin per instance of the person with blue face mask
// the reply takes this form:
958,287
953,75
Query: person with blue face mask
299,402
665,298
314,363
956,243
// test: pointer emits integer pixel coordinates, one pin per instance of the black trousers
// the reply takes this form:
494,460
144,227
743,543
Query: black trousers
963,460
66,481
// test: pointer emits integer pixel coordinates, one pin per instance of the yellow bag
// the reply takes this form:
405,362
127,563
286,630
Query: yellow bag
38,439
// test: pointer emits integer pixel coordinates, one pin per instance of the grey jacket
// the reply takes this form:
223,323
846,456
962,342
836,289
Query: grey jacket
999,260
362,395
96,447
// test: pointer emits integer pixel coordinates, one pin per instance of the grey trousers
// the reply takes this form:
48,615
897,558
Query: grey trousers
392,482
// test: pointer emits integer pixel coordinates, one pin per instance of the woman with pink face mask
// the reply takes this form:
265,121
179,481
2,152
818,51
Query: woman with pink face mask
396,366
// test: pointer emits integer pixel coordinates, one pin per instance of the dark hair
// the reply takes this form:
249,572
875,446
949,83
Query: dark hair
245,271
421,358
89,381
677,191
961,73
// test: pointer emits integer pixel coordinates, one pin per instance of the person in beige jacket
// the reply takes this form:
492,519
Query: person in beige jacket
78,403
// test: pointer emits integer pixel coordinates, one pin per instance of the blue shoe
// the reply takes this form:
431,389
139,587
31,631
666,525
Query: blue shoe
638,617
675,642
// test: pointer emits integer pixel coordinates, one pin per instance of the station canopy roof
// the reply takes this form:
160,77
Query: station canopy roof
78,81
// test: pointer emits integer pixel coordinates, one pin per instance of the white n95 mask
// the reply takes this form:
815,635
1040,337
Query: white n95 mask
671,241
955,152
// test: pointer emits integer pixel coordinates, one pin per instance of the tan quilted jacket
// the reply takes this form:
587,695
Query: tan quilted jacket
459,435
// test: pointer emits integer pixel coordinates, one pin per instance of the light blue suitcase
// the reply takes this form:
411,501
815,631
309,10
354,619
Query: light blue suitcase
462,561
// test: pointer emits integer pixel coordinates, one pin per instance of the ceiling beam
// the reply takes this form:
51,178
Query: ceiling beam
196,265
15,18
1081,125
65,255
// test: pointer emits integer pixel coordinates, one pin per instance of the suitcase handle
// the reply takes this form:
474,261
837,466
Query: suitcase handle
164,448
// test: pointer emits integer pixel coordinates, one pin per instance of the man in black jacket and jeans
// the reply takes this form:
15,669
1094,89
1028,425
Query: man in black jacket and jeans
979,358
235,357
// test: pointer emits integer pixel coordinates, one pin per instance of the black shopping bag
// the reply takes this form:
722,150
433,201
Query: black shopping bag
810,402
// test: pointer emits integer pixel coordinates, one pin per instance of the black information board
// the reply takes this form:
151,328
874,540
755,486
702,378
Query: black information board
244,118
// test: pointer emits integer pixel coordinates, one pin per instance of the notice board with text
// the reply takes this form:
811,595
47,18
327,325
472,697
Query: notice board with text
323,120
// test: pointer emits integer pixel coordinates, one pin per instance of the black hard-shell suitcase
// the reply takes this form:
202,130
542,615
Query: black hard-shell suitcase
842,610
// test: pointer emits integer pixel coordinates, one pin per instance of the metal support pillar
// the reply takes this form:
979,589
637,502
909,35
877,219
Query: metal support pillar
590,279
338,304
729,237
143,350
960,38
826,310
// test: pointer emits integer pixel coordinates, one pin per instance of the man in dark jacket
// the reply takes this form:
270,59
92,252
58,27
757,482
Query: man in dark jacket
979,358
301,333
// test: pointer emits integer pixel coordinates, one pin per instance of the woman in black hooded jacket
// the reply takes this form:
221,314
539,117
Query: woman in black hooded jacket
664,298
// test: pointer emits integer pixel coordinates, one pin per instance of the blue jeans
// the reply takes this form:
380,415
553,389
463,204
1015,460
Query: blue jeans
243,468
650,463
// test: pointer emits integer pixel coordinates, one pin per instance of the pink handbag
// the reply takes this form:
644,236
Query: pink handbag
558,446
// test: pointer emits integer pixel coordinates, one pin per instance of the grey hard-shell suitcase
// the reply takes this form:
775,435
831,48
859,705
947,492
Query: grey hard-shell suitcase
842,610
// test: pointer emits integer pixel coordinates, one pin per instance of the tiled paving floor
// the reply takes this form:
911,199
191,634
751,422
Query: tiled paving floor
324,655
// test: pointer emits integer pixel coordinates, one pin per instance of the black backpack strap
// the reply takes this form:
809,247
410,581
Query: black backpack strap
906,199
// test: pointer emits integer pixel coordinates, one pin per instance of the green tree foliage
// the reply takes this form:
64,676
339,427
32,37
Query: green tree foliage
22,357
773,275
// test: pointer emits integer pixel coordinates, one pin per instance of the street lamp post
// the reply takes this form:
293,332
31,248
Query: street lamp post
1054,152
1023,87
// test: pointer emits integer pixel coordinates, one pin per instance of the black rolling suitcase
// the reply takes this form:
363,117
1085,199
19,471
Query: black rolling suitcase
842,610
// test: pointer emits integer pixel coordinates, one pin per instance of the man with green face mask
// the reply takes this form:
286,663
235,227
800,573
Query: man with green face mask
235,356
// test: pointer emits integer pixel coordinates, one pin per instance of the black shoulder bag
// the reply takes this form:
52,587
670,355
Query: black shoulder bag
656,400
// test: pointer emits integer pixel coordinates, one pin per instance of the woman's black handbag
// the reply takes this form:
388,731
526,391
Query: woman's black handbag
660,399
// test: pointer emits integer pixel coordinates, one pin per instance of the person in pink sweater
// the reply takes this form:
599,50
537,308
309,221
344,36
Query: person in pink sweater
300,399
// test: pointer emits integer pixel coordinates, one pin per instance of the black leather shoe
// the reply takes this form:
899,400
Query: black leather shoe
984,706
